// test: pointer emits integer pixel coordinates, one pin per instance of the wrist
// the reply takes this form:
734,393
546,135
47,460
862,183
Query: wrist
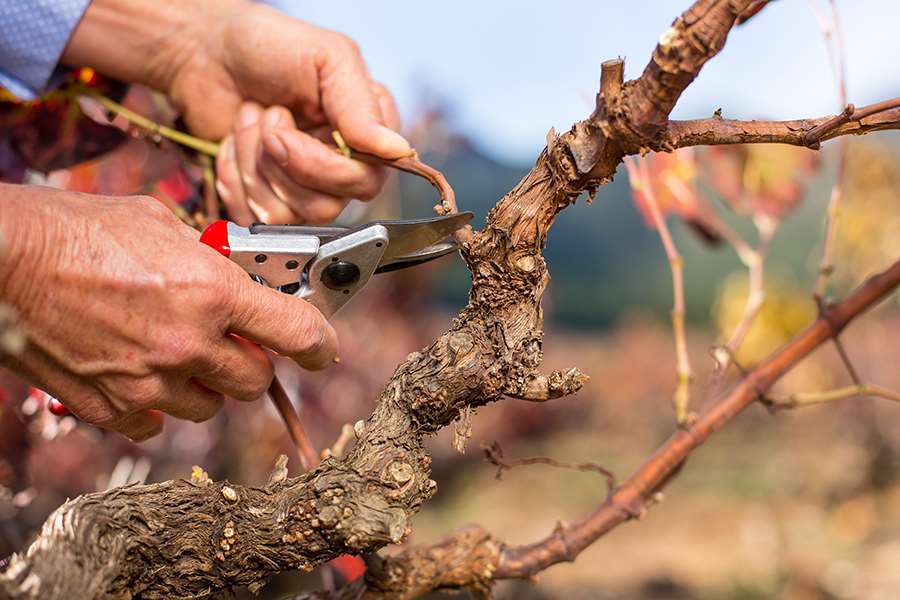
26,227
146,42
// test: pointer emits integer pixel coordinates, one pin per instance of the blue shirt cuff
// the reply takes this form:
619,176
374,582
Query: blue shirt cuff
33,35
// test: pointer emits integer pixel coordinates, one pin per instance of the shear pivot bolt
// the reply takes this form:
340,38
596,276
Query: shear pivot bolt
340,274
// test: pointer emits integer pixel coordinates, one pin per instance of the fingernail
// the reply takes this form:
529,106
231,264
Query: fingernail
272,118
222,191
247,115
275,148
393,144
261,213
227,147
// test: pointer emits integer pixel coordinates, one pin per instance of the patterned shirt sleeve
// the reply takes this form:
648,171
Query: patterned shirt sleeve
33,35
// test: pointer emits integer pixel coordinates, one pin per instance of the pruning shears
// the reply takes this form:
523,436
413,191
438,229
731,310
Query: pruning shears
327,266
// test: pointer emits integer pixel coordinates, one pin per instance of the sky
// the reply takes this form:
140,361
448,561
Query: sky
511,70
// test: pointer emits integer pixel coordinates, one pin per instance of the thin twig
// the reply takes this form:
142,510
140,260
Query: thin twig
832,127
755,261
752,258
833,43
640,178
845,359
308,456
493,453
200,145
822,307
412,164
875,108
826,262
210,195
835,46
801,399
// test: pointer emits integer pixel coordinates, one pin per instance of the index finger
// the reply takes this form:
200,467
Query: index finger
284,323
350,104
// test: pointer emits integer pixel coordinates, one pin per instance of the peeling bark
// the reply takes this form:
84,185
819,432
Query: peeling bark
466,559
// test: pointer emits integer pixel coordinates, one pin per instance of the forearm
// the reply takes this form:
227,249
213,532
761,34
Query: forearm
144,42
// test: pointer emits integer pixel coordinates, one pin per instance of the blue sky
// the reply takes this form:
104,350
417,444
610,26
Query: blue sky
513,69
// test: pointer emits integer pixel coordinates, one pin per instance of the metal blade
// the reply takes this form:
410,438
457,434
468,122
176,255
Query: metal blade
410,238
417,258
407,237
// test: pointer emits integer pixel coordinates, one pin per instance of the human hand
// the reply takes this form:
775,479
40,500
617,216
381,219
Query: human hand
128,316
279,164
222,63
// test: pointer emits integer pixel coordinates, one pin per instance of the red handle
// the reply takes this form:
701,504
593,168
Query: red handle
216,237
57,408
42,398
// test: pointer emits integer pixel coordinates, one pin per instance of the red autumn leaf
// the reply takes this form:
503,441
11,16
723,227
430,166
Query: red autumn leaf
761,180
672,177
350,567
53,132
177,186
12,168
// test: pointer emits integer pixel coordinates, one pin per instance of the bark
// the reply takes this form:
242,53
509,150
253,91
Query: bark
183,539
466,559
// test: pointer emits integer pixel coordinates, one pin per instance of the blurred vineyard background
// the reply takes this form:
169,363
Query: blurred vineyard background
799,505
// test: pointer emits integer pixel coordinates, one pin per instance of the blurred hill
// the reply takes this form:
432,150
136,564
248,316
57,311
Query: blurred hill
603,260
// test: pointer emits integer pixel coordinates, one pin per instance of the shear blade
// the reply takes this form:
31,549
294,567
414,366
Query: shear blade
417,258
412,242
409,238
417,241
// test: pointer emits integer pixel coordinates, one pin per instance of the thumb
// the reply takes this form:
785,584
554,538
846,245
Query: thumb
284,323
